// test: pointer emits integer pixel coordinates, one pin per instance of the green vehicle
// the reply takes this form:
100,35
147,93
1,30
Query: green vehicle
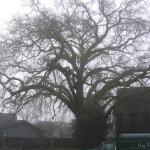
129,141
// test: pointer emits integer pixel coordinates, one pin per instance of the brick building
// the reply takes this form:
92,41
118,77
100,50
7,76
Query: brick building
133,110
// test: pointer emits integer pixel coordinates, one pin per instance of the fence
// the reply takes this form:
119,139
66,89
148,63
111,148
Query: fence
53,143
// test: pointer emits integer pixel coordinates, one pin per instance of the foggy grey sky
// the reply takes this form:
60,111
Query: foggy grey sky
10,8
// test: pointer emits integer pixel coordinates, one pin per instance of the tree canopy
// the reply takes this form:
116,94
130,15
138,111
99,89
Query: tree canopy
79,57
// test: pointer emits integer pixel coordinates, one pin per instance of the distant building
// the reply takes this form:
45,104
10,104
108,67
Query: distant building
11,127
19,133
55,129
133,110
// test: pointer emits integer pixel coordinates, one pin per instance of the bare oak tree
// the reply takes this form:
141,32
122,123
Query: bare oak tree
79,57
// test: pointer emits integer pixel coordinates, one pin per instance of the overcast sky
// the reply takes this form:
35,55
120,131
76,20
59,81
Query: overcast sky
9,8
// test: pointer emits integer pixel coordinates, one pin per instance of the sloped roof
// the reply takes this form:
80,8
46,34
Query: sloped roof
22,122
8,121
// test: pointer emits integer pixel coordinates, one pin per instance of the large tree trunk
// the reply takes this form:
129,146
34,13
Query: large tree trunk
90,128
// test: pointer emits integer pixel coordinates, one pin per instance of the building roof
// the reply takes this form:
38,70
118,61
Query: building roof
9,121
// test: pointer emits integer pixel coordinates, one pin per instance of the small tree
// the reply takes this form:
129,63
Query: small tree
78,57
